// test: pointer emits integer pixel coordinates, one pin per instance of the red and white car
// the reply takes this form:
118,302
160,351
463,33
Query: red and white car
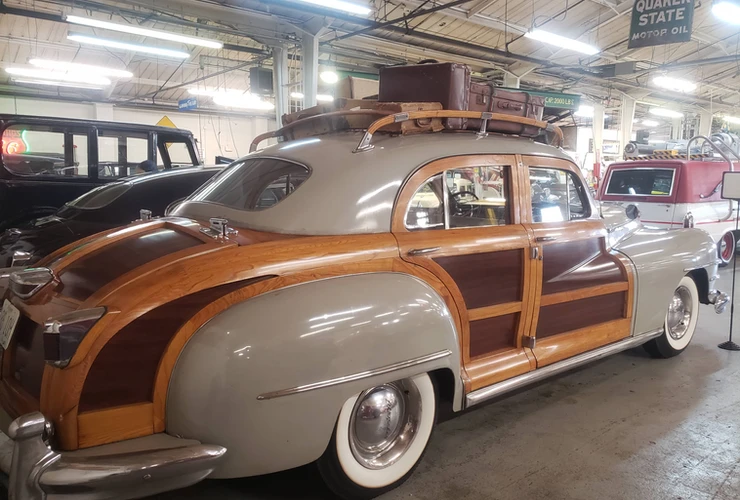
673,194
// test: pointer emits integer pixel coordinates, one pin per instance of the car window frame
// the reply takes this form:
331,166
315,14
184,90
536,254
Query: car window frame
670,193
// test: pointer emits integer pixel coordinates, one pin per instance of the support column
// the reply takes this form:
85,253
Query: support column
280,82
511,80
627,115
705,123
676,130
598,135
310,46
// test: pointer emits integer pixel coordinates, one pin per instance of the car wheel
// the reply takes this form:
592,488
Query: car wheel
680,322
726,248
380,437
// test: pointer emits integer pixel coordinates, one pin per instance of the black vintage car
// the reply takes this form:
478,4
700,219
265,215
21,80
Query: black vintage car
104,207
46,161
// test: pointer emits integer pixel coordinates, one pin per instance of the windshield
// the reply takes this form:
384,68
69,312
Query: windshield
641,182
254,184
100,196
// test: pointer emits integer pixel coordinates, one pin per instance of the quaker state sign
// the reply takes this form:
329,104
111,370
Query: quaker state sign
659,22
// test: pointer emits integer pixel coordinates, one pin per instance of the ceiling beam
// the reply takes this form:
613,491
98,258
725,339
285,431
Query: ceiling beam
479,7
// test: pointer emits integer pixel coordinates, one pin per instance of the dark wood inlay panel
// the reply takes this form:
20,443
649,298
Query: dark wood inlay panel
578,264
568,316
124,371
486,279
491,334
28,356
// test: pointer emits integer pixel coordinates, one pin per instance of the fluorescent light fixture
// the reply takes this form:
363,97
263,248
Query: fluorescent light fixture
667,113
727,11
57,83
134,47
209,91
324,98
585,111
732,119
136,30
562,42
675,84
76,67
43,74
297,95
650,123
350,7
246,101
329,77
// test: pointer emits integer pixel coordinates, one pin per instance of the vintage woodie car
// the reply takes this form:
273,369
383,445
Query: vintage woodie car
320,300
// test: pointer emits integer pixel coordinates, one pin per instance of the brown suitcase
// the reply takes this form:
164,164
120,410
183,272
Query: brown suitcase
488,98
412,126
446,83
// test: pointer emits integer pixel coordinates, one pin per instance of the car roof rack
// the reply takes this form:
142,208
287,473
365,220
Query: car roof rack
389,118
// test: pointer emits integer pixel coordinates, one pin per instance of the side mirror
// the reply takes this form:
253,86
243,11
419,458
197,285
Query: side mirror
731,186
632,212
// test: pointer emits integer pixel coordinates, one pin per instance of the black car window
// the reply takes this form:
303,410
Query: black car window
254,184
45,150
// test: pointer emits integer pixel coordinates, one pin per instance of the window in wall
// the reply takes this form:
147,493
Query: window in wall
41,150
426,209
478,196
557,195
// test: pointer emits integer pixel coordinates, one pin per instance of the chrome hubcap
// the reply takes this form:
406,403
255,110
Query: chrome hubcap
384,422
679,313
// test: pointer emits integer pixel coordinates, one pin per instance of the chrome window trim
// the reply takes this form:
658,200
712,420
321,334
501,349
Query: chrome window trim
356,376
673,181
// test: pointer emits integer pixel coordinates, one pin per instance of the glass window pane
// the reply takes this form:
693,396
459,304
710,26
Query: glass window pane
557,195
426,208
478,196
40,151
642,182
122,153
179,154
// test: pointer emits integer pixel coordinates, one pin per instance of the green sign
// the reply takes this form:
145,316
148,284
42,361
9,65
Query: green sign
659,22
554,99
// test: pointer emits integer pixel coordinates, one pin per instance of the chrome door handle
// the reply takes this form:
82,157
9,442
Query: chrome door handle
422,251
540,239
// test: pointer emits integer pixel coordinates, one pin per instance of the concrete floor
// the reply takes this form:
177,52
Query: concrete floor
628,427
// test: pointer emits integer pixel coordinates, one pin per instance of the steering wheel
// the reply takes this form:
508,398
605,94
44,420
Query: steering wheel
462,209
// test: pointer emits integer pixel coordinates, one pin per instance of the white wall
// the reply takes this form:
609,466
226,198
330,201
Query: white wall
217,135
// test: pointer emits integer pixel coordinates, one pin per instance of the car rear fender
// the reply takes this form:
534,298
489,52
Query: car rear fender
267,377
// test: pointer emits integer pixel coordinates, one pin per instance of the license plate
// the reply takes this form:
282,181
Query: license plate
9,316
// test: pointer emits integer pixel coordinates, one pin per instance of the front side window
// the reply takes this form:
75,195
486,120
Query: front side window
41,150
641,182
254,184
557,195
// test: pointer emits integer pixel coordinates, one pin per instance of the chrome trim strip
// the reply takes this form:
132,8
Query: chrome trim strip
356,376
490,392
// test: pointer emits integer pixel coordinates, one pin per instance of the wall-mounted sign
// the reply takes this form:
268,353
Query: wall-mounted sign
658,22
14,142
553,99
187,104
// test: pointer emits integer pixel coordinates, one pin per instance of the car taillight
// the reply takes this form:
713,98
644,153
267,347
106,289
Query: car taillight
63,334
26,283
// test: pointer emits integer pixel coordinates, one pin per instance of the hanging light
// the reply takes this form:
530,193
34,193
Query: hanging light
650,123
732,119
56,83
727,10
666,113
342,5
329,77
675,84
68,77
210,91
324,98
245,101
134,47
77,67
562,42
296,95
585,111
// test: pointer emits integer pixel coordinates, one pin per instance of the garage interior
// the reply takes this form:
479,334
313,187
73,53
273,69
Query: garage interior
624,427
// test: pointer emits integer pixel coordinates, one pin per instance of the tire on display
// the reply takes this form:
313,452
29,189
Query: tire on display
726,248
380,437
680,322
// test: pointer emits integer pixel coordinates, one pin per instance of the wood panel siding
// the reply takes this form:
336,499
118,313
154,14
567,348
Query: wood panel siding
486,279
578,264
567,316
493,334
26,360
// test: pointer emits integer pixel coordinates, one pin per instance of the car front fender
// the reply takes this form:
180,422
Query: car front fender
267,377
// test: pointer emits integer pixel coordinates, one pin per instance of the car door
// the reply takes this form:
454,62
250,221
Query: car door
583,296
459,218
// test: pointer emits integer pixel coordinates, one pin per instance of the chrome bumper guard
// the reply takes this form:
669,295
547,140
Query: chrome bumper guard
720,300
37,472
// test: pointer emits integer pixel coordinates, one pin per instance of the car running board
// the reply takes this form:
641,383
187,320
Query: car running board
512,384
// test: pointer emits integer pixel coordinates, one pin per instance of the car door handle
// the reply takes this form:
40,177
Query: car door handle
422,251
540,239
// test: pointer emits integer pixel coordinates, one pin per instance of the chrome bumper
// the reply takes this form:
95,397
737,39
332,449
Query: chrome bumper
720,300
36,472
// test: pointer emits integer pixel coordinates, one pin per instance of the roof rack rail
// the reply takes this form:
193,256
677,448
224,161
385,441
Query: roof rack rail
715,147
389,118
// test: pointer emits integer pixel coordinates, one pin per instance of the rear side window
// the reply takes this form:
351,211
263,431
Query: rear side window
254,184
641,182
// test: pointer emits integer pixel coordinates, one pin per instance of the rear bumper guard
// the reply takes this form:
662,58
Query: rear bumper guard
37,472
719,300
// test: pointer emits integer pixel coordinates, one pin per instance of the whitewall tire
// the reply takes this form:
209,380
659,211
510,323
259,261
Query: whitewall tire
380,437
680,321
